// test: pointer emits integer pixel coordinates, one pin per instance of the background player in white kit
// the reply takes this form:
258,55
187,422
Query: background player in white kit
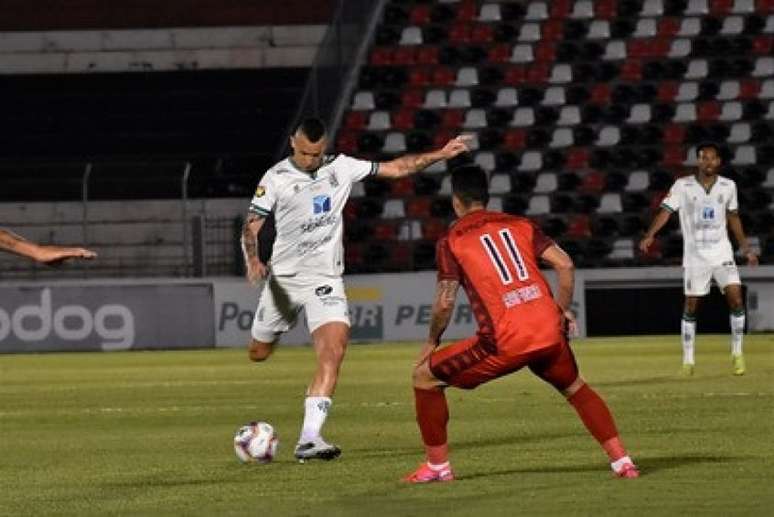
307,192
708,205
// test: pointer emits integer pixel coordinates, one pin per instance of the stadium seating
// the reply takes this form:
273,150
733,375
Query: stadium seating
589,107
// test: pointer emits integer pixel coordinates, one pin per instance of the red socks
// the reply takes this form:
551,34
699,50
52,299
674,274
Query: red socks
597,418
432,417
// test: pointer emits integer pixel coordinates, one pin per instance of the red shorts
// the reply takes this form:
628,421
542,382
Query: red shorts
470,362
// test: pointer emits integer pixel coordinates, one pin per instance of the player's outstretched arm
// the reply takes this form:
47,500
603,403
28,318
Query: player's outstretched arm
735,224
44,254
561,262
255,269
443,306
413,163
662,217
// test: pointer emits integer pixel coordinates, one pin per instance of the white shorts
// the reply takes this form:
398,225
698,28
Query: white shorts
322,297
696,280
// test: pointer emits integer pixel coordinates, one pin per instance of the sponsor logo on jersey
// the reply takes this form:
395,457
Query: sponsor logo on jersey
260,191
321,204
318,222
323,290
304,247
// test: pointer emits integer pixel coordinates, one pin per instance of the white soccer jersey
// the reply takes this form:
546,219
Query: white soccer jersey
703,219
308,211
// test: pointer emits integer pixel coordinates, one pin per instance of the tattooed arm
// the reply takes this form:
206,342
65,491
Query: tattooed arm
443,306
413,163
256,269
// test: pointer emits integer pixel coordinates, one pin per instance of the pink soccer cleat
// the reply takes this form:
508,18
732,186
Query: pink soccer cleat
628,471
425,474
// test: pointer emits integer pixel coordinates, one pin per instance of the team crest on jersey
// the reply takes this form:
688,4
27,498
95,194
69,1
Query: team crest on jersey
333,180
321,204
260,191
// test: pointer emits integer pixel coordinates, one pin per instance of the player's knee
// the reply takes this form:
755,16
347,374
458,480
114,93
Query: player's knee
574,387
422,378
259,351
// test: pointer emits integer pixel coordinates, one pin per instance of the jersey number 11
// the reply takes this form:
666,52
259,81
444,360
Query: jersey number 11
511,250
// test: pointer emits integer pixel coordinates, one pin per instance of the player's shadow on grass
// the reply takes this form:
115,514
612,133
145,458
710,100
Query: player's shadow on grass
662,379
515,440
647,466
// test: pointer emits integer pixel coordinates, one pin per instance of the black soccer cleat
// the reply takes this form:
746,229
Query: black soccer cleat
317,449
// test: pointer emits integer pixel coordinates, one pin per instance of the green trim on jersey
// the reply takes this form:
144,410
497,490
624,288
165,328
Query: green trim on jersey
374,169
667,208
258,210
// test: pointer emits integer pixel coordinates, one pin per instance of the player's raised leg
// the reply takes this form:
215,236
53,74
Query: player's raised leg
737,320
558,368
330,343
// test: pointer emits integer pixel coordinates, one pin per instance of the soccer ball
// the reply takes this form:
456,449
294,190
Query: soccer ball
256,442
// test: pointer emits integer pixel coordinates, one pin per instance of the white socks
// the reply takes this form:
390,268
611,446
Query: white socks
315,413
688,330
737,332
618,464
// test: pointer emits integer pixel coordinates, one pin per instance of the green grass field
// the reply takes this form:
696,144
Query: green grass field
148,433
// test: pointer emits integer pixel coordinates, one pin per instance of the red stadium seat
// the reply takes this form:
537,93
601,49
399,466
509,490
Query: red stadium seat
404,56
600,93
708,111
427,56
721,7
420,15
673,156
632,71
545,51
467,11
353,256
419,77
762,44
482,33
667,91
452,118
538,73
402,187
553,30
674,134
443,76
400,256
515,76
560,8
381,56
515,139
351,210
668,27
433,229
346,142
412,98
606,9
444,135
499,53
579,226
749,89
355,120
593,182
403,119
418,208
460,33
384,231
578,158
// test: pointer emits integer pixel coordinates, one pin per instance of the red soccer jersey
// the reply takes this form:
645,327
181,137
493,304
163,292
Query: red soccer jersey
495,256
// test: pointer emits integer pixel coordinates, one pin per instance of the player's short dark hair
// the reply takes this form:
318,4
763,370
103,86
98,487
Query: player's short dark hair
710,145
469,183
313,128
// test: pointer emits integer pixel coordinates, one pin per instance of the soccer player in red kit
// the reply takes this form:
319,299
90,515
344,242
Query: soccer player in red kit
494,256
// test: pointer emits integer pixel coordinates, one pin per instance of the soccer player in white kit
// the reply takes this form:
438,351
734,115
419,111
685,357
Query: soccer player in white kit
307,193
707,204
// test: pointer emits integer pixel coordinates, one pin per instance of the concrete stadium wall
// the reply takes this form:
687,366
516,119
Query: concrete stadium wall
152,313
